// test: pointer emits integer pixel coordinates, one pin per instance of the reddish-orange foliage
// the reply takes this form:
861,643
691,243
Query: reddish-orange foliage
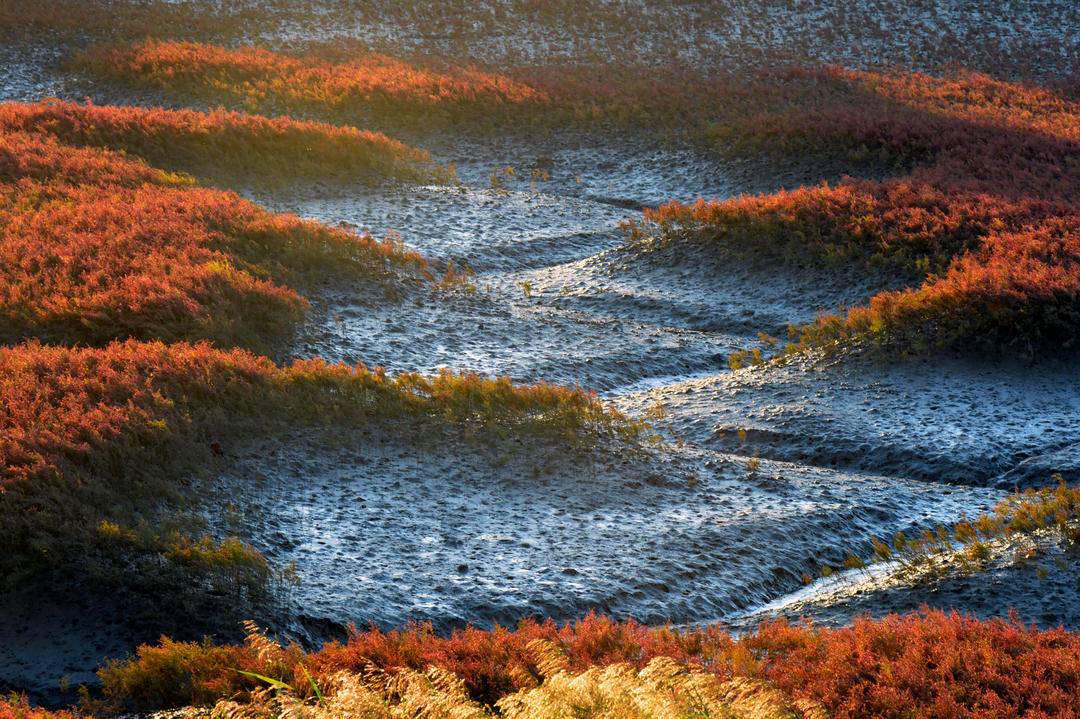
492,663
367,82
95,246
16,707
1018,288
221,142
95,263
992,212
342,81
60,406
42,158
900,112
906,221
497,662
928,665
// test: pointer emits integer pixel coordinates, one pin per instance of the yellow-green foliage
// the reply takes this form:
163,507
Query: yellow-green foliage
227,145
1056,508
663,689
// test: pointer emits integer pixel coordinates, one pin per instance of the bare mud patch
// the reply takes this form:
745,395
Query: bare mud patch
708,291
383,531
938,418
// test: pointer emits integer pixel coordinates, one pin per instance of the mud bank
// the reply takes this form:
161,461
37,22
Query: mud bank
382,533
1034,578
941,419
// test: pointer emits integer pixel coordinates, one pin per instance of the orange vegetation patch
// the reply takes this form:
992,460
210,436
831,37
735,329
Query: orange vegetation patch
917,666
64,407
343,81
97,246
366,84
989,216
16,707
226,144
42,158
94,263
895,112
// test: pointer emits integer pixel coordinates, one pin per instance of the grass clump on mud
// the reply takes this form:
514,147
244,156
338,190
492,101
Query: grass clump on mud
922,665
98,246
227,146
985,216
93,440
967,545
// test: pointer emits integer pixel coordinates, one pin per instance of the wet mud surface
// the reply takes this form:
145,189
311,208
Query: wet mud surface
387,527
1036,579
936,419
852,446
452,533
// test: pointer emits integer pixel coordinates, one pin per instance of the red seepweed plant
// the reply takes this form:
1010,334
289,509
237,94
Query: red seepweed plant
365,85
922,666
227,145
96,263
41,158
988,218
97,245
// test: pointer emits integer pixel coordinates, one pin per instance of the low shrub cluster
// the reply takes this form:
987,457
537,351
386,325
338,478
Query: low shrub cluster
96,245
366,86
986,216
346,83
930,664
925,665
227,145
85,263
39,158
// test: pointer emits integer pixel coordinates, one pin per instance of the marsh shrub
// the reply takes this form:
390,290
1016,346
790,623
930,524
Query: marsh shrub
344,82
98,246
226,145
42,158
95,263
365,85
